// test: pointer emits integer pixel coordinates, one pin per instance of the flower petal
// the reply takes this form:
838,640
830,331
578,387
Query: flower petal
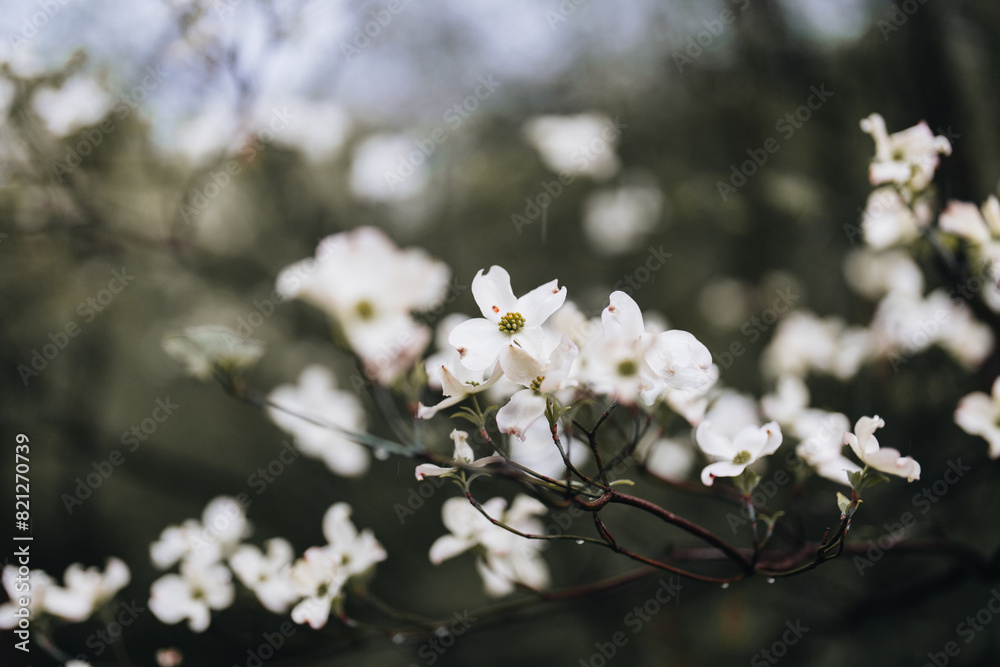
493,294
622,318
479,343
539,303
721,469
523,409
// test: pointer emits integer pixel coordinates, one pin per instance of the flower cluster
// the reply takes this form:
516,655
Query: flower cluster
83,592
210,551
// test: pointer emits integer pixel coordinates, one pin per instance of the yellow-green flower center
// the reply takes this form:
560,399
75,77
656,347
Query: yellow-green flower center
742,457
536,384
365,309
627,368
511,323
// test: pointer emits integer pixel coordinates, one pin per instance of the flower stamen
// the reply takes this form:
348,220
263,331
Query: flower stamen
511,323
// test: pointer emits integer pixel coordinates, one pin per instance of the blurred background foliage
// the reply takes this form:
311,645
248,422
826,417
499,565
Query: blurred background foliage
684,125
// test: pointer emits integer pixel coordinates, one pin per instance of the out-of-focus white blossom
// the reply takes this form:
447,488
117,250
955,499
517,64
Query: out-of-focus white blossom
907,158
584,144
266,573
669,458
979,414
538,451
883,459
821,445
508,558
169,657
318,578
875,274
85,590
732,456
39,583
370,288
223,524
203,349
79,102
388,168
804,342
192,595
968,221
888,221
616,221
790,398
316,396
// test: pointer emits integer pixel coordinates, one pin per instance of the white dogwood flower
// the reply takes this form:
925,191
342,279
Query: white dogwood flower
446,372
192,595
507,558
883,459
316,396
907,158
266,573
38,583
732,456
223,524
85,590
525,407
821,445
463,455
369,287
979,414
507,320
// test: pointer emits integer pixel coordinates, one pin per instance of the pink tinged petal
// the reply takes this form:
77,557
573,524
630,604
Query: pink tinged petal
479,343
712,443
427,412
622,319
523,409
890,461
430,470
448,546
996,390
680,359
539,303
521,367
721,469
773,441
964,219
493,294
